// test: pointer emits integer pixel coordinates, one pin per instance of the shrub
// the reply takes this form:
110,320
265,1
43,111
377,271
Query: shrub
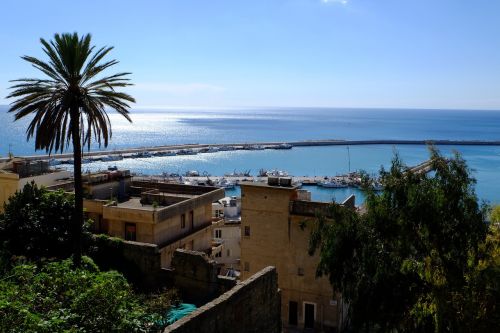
56,297
37,223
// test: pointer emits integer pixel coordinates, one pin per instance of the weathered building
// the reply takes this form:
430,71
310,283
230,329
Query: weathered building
18,172
171,216
276,227
228,234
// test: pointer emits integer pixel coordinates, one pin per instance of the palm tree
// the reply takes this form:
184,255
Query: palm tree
69,105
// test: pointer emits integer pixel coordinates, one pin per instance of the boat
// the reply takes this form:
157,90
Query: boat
192,173
276,173
283,146
142,154
186,152
110,158
226,148
212,149
225,184
245,173
254,147
377,186
332,184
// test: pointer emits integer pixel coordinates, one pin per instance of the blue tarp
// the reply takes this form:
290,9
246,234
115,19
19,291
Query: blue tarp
179,311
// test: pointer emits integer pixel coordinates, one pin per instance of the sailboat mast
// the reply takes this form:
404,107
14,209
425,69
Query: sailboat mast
349,158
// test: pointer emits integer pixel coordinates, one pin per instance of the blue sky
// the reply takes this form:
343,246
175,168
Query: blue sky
336,53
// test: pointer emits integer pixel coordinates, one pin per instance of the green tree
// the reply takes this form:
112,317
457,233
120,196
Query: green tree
69,104
37,223
57,297
408,261
495,214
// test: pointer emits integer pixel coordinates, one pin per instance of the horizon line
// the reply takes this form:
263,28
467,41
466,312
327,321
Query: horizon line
387,108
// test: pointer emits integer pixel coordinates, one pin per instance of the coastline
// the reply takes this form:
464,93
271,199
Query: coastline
242,146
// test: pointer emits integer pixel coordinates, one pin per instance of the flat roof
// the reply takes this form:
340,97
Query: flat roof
134,203
260,184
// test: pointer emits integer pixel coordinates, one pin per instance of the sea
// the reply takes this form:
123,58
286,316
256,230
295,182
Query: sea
248,125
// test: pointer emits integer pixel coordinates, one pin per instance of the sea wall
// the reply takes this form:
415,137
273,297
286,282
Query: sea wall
252,306
307,143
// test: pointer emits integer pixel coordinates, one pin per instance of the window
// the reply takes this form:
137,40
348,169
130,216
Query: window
228,253
130,231
300,271
219,213
218,233
183,221
191,219
218,254
247,230
247,266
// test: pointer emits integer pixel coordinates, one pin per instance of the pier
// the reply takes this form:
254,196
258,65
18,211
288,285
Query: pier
264,145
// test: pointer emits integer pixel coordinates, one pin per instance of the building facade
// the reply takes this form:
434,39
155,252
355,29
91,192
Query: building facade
276,226
171,216
16,173
228,233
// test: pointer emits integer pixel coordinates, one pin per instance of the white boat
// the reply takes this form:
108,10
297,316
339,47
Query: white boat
254,147
192,173
224,183
276,173
283,146
332,184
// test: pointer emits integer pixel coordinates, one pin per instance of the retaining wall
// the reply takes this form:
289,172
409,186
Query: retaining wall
252,306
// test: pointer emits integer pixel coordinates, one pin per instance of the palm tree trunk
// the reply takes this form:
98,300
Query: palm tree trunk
78,214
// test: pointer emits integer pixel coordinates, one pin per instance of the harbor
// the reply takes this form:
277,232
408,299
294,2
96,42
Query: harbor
195,148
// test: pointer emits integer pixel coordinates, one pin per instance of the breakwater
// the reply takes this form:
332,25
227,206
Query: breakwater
264,145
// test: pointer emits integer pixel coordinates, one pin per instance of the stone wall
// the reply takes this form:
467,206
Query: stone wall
195,275
139,262
251,306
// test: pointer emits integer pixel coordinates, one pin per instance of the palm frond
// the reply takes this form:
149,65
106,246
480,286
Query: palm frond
71,66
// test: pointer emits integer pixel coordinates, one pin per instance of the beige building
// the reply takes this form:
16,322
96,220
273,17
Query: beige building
171,216
272,217
228,234
18,172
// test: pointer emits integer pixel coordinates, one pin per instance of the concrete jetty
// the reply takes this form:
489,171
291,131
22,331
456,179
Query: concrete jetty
245,145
